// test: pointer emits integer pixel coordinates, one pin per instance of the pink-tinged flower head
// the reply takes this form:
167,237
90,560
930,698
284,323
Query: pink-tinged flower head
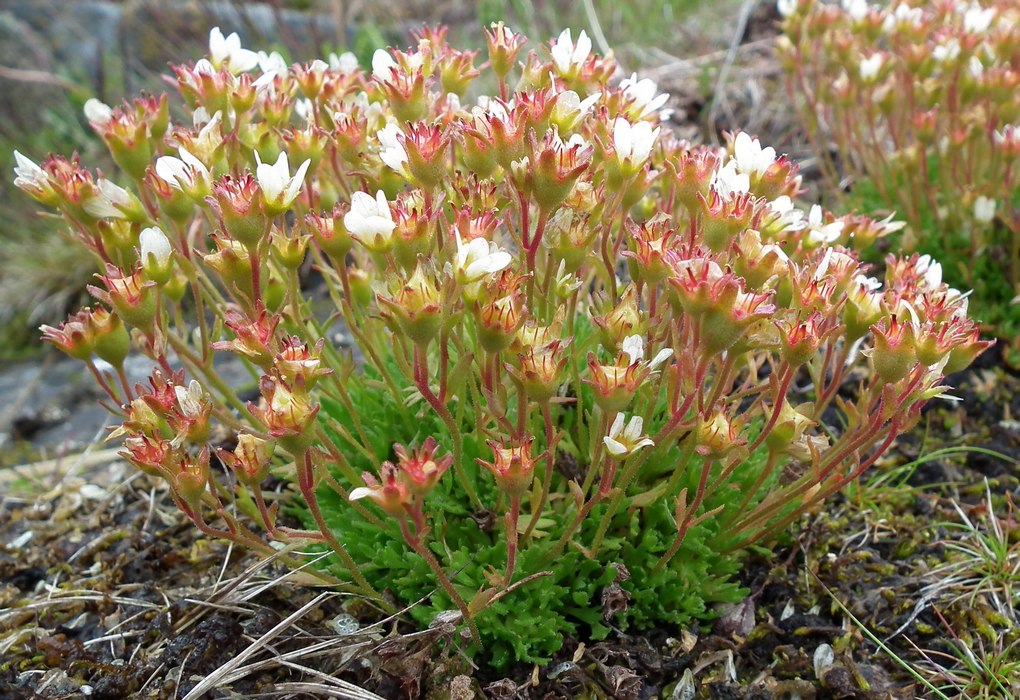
421,468
250,459
299,365
558,165
895,352
504,44
648,243
287,412
239,204
73,337
254,338
154,456
626,437
512,466
405,485
717,436
540,368
131,296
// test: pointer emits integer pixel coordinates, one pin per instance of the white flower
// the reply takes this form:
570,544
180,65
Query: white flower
191,399
370,220
856,9
633,142
903,14
788,217
28,174
750,157
820,231
112,202
642,94
975,67
727,182
633,346
984,209
279,189
393,152
346,62
185,173
152,241
98,113
622,442
977,19
929,270
949,51
383,65
787,7
566,54
227,51
870,66
477,259
569,108
272,64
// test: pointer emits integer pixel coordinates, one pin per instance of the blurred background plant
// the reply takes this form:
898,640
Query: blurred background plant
912,107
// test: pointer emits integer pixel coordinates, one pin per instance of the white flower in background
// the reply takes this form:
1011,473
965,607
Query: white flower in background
393,152
870,66
370,220
98,113
929,270
346,62
642,93
750,157
787,7
191,400
727,182
272,64
975,67
304,109
279,188
383,65
27,174
227,52
946,52
112,202
477,259
977,19
788,216
856,9
822,232
185,173
566,282
570,108
633,142
903,15
633,346
566,54
984,209
152,241
624,441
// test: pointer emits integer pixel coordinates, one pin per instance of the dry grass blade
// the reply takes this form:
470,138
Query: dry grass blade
219,676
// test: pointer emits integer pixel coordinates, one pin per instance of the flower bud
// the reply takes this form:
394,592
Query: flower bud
250,460
512,466
156,254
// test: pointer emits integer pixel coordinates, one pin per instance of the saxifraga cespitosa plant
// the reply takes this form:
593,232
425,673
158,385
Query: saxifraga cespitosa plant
919,99
634,356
